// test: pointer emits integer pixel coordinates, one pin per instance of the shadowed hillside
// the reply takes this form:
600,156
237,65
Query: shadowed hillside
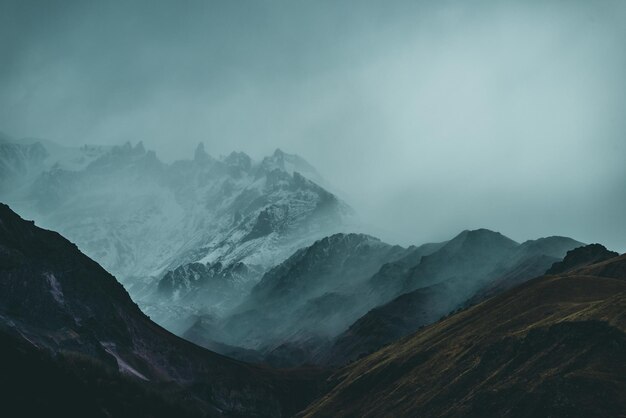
554,346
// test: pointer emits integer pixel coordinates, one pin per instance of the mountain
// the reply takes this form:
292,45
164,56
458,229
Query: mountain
313,295
154,224
453,280
60,310
582,256
348,295
334,263
553,346
471,255
384,280
336,300
531,259
477,263
36,383
197,286
392,321
21,162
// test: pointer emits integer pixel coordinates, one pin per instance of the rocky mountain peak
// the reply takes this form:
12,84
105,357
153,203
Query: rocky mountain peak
580,257
200,155
479,239
128,149
240,160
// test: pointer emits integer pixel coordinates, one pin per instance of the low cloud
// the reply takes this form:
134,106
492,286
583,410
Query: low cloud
429,117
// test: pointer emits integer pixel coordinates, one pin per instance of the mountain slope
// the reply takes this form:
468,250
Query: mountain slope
554,346
471,255
390,273
307,309
21,162
391,321
36,384
499,264
334,263
315,294
531,259
60,301
580,257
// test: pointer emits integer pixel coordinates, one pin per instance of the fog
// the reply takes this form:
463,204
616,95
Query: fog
427,117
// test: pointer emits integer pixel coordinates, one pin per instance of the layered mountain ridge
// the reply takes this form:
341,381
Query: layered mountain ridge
554,346
348,295
152,224
251,259
62,313
309,294
469,268
344,298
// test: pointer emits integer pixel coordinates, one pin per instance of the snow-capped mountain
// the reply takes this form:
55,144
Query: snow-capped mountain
170,230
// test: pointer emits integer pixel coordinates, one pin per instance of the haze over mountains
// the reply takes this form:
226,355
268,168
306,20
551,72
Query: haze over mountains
64,320
274,209
230,253
554,346
256,261
338,299
211,223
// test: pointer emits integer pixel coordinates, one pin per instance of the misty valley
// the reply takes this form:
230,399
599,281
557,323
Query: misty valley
234,287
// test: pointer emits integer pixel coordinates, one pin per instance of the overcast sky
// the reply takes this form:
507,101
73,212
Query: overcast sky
430,117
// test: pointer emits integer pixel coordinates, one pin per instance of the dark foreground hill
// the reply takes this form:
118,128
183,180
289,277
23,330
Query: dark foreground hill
37,383
73,342
554,346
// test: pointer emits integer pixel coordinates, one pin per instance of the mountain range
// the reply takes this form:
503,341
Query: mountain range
188,237
554,346
245,289
459,285
349,294
551,346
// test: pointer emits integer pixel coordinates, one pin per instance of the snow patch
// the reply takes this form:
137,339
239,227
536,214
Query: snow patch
121,364
55,288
